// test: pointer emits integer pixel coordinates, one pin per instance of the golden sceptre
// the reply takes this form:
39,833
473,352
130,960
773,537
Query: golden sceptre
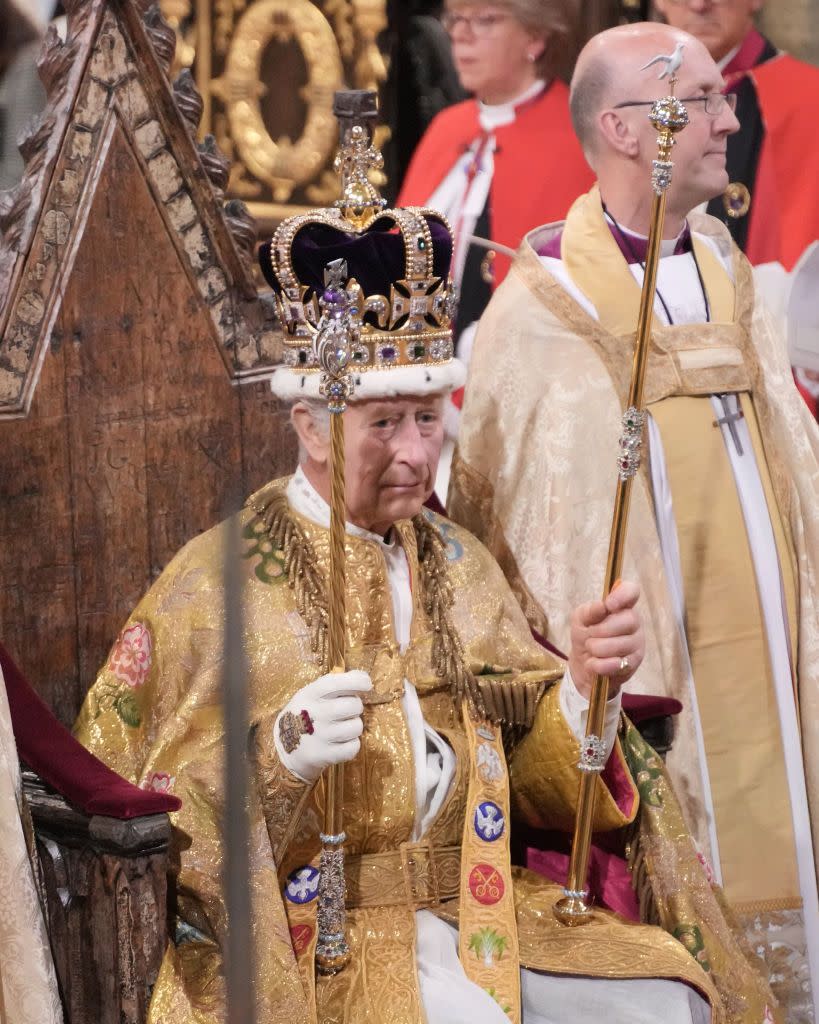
338,331
668,115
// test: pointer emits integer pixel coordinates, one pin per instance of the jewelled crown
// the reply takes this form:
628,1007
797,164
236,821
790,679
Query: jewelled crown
387,268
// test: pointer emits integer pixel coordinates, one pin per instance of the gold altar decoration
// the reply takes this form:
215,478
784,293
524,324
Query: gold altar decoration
267,71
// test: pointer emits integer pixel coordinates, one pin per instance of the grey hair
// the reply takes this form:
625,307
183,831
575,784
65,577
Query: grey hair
587,97
319,413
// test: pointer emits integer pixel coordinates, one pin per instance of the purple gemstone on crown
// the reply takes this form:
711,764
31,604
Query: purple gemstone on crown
387,353
736,202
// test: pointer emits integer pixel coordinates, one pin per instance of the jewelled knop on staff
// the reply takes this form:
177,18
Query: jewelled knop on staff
338,331
668,115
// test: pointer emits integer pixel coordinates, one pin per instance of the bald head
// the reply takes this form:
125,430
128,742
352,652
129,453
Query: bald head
608,72
611,96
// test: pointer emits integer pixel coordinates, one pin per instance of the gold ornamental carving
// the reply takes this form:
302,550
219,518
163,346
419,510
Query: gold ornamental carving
282,163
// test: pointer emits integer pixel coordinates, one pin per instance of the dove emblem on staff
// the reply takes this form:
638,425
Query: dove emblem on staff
672,62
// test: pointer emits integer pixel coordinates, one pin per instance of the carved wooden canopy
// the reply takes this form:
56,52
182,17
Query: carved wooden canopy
107,86
133,346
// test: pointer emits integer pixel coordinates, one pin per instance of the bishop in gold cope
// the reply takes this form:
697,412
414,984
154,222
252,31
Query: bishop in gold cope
724,525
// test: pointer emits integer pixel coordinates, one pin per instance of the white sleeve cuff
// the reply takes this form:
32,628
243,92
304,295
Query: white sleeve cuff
575,710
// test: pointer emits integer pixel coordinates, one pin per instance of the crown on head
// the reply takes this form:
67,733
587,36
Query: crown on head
390,267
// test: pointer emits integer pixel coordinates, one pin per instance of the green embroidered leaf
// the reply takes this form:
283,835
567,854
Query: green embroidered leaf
127,707
506,1008
487,945
691,937
270,567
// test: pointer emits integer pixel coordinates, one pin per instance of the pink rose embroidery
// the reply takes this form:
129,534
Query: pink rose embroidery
159,782
130,659
709,873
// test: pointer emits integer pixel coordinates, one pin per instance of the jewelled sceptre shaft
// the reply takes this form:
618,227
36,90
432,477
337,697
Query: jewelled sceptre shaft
338,331
668,116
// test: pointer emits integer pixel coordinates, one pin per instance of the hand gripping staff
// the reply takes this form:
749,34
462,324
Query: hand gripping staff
337,333
668,116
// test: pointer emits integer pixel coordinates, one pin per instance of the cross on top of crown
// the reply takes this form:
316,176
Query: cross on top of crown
355,159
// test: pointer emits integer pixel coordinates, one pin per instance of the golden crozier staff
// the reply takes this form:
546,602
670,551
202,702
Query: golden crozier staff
668,115
338,331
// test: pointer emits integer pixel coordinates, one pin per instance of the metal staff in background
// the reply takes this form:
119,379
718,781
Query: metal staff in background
668,115
239,950
337,333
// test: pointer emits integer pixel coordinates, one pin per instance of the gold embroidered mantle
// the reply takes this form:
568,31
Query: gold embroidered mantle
154,715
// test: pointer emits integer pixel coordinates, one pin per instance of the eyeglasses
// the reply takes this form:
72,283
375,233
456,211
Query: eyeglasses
713,104
480,25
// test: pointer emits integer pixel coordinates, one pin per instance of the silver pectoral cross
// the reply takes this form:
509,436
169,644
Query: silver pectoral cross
730,419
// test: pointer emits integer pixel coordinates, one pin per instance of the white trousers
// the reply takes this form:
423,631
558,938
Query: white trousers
449,997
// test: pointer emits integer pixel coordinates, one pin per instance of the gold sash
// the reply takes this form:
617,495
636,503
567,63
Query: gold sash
488,931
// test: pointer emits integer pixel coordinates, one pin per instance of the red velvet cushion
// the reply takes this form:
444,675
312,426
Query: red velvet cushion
49,749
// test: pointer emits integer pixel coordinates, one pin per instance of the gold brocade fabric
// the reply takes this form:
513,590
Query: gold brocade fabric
729,655
534,474
676,893
153,714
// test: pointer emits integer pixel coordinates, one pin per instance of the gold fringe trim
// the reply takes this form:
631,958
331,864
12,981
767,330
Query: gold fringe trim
447,649
301,566
307,582
640,877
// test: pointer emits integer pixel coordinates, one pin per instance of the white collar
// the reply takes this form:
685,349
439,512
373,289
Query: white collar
496,115
306,500
729,56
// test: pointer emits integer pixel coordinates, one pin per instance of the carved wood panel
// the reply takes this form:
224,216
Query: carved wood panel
105,888
134,409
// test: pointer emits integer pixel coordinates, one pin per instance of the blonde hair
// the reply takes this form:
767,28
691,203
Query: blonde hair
554,21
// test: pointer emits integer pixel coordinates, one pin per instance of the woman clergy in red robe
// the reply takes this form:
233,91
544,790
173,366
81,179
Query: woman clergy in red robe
507,160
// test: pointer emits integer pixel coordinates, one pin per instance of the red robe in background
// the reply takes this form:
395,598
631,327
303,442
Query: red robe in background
775,154
539,166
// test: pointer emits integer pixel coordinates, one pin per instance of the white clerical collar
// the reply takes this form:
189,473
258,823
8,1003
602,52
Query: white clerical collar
306,500
495,115
667,245
723,63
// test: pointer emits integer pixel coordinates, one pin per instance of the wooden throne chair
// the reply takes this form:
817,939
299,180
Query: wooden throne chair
133,415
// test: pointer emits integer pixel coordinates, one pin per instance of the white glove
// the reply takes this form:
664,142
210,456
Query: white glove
333,710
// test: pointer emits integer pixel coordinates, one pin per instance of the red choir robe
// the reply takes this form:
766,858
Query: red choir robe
539,167
774,153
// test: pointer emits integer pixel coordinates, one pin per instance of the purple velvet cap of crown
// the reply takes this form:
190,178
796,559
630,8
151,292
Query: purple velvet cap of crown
376,258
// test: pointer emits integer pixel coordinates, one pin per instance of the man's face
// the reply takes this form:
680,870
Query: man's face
720,25
392,447
699,154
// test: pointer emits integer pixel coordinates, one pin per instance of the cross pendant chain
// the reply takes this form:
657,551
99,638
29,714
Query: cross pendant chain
730,419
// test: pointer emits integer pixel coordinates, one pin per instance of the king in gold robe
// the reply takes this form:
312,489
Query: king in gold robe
723,533
154,715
